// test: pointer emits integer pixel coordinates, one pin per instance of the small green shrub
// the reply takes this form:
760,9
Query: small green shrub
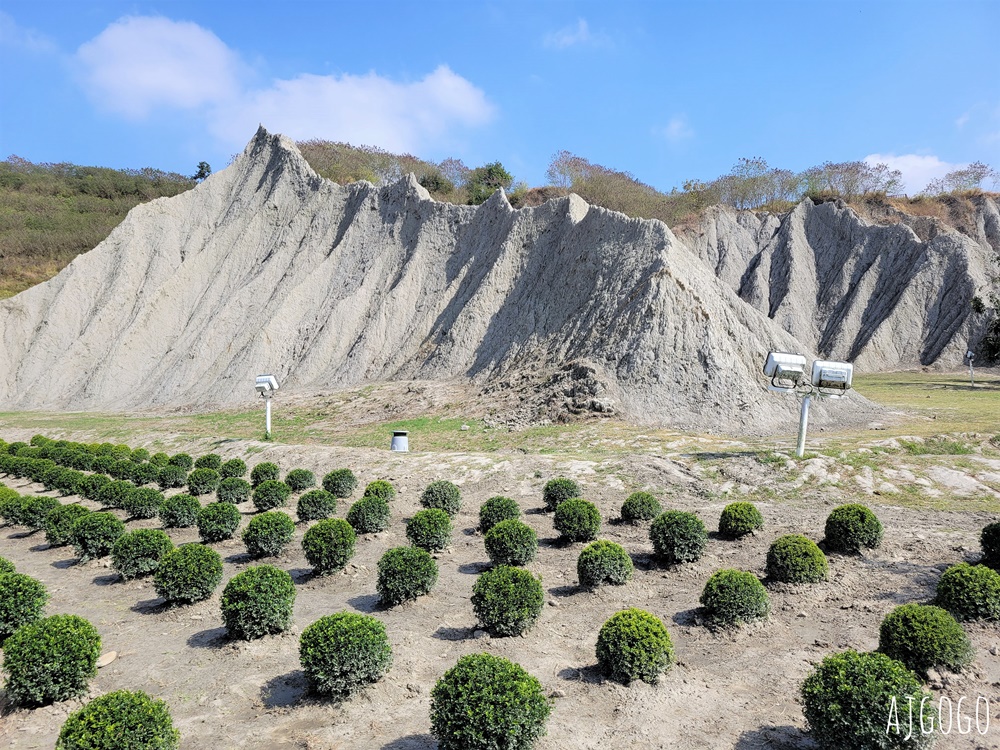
138,552
340,483
68,481
495,510
731,597
603,562
6,566
924,637
183,460
50,660
429,529
507,600
970,592
115,494
35,509
300,480
179,511
188,573
639,507
344,652
139,455
380,488
329,545
404,573
316,504
577,520
268,534
634,645
511,542
94,534
233,490
234,468
121,720
989,540
203,482
145,474
271,494
851,528
369,515
678,537
795,559
144,502
218,522
209,461
22,600
847,702
740,519
10,506
258,602
122,469
486,702
171,476
264,472
557,490
443,495
159,459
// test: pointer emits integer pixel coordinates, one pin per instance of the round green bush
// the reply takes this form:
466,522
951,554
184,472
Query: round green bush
159,459
794,559
218,522
443,495
511,542
924,637
340,483
13,509
429,529
136,553
144,502
268,534
183,460
851,528
495,510
486,702
122,720
634,645
369,515
121,452
271,494
577,520
203,482
233,490
316,504
970,592
234,468
507,600
989,540
678,537
258,602
50,660
404,573
145,474
329,545
344,652
264,472
35,509
94,534
122,469
6,566
740,519
209,461
557,490
731,597
380,488
68,481
179,511
847,702
188,573
115,494
639,507
139,455
300,479
603,562
22,600
171,476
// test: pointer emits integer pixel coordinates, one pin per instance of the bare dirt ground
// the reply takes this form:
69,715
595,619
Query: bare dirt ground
728,689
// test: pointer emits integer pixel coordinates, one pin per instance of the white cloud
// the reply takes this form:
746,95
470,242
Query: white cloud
139,63
17,37
677,130
917,169
572,35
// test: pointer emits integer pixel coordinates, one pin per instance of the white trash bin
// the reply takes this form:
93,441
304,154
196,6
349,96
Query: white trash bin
400,441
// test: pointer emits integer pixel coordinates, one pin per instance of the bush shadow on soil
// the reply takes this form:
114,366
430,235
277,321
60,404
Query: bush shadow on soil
590,674
151,606
107,579
366,603
448,633
209,638
412,742
286,690
774,738
688,617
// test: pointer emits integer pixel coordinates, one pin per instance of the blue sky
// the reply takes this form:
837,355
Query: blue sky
665,90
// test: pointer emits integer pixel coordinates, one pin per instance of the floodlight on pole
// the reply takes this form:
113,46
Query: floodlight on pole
829,379
971,355
266,385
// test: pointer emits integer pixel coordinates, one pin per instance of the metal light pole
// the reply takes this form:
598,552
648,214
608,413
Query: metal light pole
972,375
266,385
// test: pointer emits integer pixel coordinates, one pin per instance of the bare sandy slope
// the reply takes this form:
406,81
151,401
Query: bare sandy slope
736,689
